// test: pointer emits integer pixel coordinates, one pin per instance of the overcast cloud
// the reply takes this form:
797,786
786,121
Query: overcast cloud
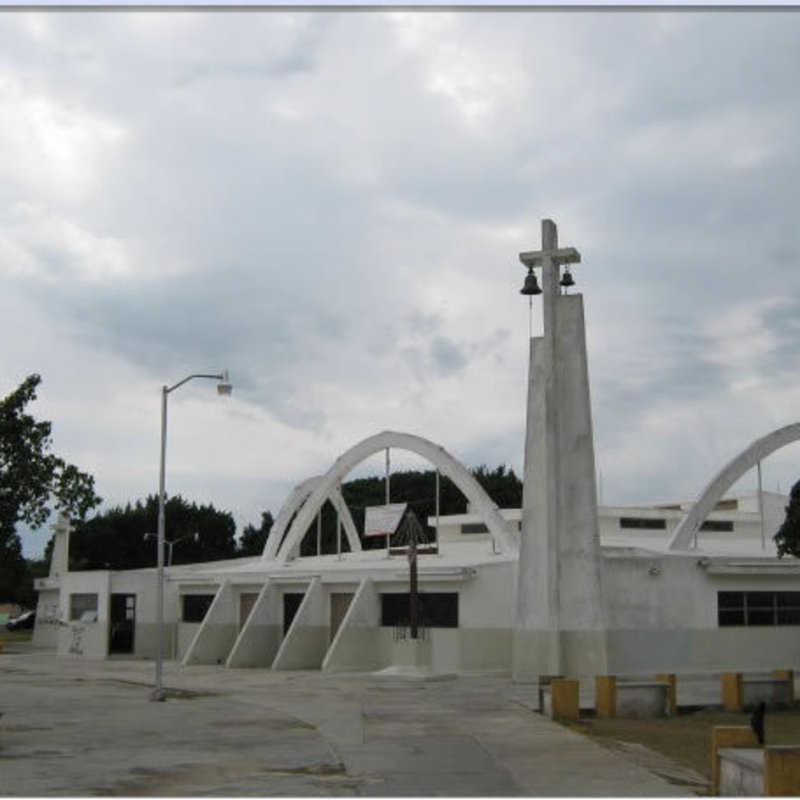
331,206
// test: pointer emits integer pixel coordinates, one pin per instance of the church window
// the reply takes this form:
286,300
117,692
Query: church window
758,608
474,527
195,606
719,525
436,609
643,522
83,607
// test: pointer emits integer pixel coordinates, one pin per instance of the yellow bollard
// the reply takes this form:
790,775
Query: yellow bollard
781,770
564,696
788,674
605,695
732,691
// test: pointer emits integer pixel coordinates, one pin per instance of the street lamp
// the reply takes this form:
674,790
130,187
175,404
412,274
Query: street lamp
224,388
170,543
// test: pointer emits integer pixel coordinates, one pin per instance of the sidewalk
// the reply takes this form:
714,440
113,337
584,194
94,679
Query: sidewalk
82,728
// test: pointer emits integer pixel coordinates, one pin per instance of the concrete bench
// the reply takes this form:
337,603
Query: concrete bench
751,772
741,692
634,699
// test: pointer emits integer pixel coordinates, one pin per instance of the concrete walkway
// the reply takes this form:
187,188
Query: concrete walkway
87,728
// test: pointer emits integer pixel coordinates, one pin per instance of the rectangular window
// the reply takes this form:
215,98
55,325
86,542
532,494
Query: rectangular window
83,607
758,608
474,527
719,525
195,606
436,609
642,522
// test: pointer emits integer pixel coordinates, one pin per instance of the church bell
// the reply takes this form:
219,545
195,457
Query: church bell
566,279
531,284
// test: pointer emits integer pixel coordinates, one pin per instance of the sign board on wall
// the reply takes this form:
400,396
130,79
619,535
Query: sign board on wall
383,520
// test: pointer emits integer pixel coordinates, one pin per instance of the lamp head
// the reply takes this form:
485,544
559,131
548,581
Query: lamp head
224,387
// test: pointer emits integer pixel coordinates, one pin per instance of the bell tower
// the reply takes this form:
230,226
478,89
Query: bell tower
560,624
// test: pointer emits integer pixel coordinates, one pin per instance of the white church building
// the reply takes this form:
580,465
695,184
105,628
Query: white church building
560,586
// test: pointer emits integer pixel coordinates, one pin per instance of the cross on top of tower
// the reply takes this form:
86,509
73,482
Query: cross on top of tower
550,249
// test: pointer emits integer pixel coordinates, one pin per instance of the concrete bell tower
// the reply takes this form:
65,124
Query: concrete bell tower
560,626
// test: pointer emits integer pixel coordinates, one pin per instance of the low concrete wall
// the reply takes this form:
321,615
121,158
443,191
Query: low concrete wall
741,772
642,699
727,736
751,772
306,640
217,632
259,638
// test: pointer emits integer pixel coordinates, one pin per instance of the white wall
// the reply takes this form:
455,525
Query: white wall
84,639
48,620
667,621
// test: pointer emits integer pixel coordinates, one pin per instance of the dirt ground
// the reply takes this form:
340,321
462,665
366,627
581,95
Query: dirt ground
685,739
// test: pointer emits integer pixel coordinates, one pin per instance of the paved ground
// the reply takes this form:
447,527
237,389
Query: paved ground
87,728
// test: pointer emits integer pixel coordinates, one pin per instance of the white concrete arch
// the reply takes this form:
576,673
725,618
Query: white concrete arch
481,502
295,500
726,477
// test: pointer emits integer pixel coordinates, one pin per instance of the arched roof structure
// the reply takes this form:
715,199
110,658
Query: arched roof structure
726,477
481,503
295,500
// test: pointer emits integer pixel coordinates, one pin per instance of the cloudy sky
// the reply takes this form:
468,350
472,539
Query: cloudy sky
331,205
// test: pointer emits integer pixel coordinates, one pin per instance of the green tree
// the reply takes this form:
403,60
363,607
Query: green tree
115,539
788,536
253,539
32,479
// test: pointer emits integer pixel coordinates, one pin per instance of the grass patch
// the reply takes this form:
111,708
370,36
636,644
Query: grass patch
15,637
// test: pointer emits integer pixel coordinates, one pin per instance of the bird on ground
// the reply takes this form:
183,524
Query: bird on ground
757,721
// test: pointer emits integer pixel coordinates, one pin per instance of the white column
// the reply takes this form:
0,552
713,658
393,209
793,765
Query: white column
438,553
761,508
388,495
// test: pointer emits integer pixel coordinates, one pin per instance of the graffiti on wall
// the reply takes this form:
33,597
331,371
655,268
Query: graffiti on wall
48,614
76,642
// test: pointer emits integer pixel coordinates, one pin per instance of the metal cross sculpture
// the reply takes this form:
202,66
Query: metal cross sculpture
411,532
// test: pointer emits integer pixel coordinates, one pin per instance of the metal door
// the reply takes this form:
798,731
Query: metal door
246,602
123,623
291,602
340,602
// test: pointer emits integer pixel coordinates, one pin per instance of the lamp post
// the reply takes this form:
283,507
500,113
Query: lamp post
170,543
224,388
